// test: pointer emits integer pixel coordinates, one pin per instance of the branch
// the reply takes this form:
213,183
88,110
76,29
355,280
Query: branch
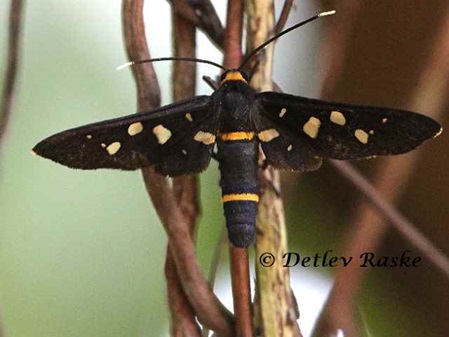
275,304
210,311
185,188
368,225
385,208
12,64
241,289
286,9
202,14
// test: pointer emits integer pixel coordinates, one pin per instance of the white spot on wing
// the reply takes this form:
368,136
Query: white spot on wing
283,112
371,132
312,127
113,148
89,136
361,136
135,128
103,145
184,152
384,120
290,147
162,134
188,116
268,135
338,118
206,138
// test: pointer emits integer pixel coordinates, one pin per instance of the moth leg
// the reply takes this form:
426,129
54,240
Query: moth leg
214,85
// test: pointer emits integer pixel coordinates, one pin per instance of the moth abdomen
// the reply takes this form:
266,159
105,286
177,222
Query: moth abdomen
238,153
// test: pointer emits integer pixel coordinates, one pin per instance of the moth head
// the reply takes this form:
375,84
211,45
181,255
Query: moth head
234,75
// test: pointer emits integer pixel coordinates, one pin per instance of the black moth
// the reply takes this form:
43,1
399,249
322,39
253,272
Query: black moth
295,133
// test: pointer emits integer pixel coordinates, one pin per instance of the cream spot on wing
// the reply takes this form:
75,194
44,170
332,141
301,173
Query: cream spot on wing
89,136
188,116
113,148
135,128
184,152
312,127
162,134
384,120
283,112
268,135
338,118
290,147
103,145
371,132
361,136
206,138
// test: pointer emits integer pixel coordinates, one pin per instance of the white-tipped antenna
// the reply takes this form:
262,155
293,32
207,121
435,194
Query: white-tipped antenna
124,65
327,13
159,59
278,35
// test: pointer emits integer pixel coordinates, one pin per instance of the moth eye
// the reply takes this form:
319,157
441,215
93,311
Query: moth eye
223,76
245,76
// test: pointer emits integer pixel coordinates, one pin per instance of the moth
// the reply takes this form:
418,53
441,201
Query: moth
295,133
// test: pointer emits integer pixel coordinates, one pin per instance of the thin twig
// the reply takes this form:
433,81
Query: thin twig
286,9
185,188
202,14
209,310
241,290
404,226
12,64
233,35
215,263
183,315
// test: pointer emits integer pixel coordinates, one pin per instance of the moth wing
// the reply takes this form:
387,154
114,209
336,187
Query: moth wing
177,139
310,129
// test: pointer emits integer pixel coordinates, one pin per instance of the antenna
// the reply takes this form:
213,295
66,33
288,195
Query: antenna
275,37
187,59
245,61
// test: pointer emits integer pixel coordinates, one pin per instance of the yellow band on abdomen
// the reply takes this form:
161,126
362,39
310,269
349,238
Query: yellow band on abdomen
239,135
240,197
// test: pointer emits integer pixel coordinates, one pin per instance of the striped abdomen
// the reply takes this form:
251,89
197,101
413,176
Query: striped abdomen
237,155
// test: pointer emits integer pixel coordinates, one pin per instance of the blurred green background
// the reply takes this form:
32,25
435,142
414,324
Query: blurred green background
82,253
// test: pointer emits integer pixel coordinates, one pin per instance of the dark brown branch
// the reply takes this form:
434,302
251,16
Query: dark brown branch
209,310
148,91
202,14
12,64
241,291
185,188
233,35
182,314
